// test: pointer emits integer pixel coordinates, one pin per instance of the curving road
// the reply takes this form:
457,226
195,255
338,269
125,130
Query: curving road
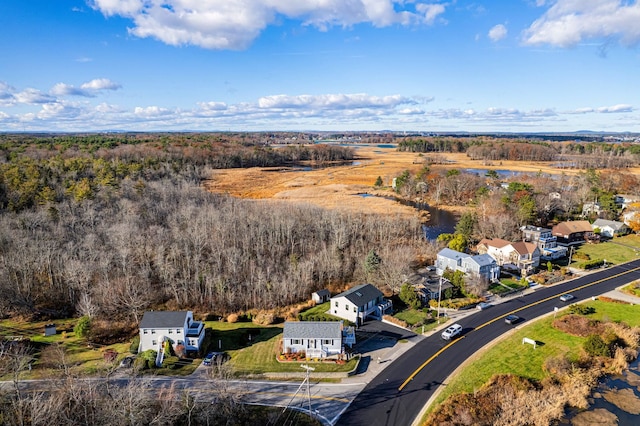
397,395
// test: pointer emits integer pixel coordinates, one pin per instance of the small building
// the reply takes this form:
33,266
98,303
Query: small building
610,228
317,339
545,240
591,208
572,232
525,257
359,303
50,330
321,296
177,327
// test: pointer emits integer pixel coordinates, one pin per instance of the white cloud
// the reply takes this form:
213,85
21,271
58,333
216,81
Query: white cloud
568,22
32,96
615,108
151,111
498,32
89,89
333,101
234,24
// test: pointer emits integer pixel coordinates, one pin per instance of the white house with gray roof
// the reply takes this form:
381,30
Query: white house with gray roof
482,265
317,339
610,228
360,302
176,326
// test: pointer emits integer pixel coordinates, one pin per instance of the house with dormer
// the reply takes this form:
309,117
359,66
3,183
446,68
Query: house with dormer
317,339
176,327
359,303
482,265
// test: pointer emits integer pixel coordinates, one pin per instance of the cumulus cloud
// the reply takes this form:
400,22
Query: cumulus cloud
498,32
234,24
89,89
568,22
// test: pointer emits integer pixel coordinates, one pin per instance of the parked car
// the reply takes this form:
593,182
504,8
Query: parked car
567,297
511,319
483,305
452,331
215,358
127,362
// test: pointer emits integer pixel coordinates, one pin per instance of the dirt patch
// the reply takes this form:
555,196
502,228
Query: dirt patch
624,399
599,416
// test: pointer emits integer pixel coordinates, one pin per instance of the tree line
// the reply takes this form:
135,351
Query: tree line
113,233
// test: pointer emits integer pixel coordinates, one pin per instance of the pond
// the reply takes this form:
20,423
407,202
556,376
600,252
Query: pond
616,400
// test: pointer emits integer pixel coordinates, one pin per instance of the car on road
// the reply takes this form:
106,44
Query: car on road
483,305
215,358
451,331
511,319
567,297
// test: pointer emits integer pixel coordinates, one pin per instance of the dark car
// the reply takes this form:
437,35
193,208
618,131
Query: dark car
215,358
127,362
511,319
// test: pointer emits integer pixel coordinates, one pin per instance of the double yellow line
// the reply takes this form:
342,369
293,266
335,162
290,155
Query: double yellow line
434,356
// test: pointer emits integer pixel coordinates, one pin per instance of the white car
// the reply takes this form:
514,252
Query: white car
566,297
452,331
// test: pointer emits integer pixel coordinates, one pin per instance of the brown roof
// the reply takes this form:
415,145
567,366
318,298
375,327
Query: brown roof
495,242
570,227
524,247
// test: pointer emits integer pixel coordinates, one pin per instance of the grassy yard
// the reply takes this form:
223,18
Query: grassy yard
633,288
318,313
257,354
417,318
619,250
511,356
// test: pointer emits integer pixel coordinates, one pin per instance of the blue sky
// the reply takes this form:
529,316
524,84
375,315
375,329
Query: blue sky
246,65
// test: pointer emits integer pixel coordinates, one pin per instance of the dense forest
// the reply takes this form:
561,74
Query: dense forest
110,228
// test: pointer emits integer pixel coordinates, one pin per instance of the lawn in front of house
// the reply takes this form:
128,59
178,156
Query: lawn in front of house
258,354
318,313
509,355
417,318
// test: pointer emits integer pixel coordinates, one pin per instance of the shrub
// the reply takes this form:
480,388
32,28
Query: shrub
170,362
150,356
110,355
582,309
135,344
140,364
83,327
232,318
264,318
591,264
181,351
595,346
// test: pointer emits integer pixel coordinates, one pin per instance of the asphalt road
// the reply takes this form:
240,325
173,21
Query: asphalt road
397,395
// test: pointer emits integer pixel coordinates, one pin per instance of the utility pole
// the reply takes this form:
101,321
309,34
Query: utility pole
439,298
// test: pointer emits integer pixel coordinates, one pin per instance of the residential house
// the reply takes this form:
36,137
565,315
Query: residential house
591,208
545,240
177,327
482,265
431,289
610,228
449,259
631,217
321,296
317,339
359,303
525,257
497,248
625,200
572,232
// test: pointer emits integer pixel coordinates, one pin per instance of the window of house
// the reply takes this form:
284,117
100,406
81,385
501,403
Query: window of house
153,332
170,331
295,341
327,342
355,309
153,342
346,307
144,331
178,331
336,304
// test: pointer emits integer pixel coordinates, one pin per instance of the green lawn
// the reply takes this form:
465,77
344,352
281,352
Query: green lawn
318,313
511,356
258,355
611,251
633,288
415,316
